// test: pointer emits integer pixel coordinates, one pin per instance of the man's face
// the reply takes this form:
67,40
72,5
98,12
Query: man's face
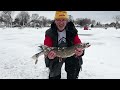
61,23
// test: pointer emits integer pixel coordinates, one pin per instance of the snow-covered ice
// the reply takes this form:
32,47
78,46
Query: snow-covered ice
101,60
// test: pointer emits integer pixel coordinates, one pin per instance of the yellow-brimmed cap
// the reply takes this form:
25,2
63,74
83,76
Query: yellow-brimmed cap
61,14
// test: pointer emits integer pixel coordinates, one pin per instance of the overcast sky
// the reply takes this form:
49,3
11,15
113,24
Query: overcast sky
102,16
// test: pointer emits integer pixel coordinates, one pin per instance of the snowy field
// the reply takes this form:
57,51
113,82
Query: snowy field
101,60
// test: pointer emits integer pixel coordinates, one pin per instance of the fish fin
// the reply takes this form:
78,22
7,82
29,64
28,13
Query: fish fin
37,55
36,61
34,56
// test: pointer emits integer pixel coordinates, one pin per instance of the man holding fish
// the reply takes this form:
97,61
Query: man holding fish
63,33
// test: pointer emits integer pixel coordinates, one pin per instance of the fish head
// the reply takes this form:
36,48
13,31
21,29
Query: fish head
83,45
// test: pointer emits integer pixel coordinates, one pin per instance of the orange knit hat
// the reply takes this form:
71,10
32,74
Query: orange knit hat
61,14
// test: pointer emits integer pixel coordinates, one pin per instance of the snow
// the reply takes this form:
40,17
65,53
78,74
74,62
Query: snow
101,60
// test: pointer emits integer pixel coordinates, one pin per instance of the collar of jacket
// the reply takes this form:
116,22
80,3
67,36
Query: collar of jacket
70,28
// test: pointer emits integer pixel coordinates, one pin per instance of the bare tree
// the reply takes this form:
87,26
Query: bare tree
43,21
7,17
34,21
117,19
93,22
23,18
34,16
77,21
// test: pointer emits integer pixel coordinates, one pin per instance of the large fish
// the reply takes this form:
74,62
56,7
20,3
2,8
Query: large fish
63,52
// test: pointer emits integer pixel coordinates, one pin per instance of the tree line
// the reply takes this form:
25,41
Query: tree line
23,19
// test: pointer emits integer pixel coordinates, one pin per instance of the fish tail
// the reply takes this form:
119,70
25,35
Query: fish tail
37,55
